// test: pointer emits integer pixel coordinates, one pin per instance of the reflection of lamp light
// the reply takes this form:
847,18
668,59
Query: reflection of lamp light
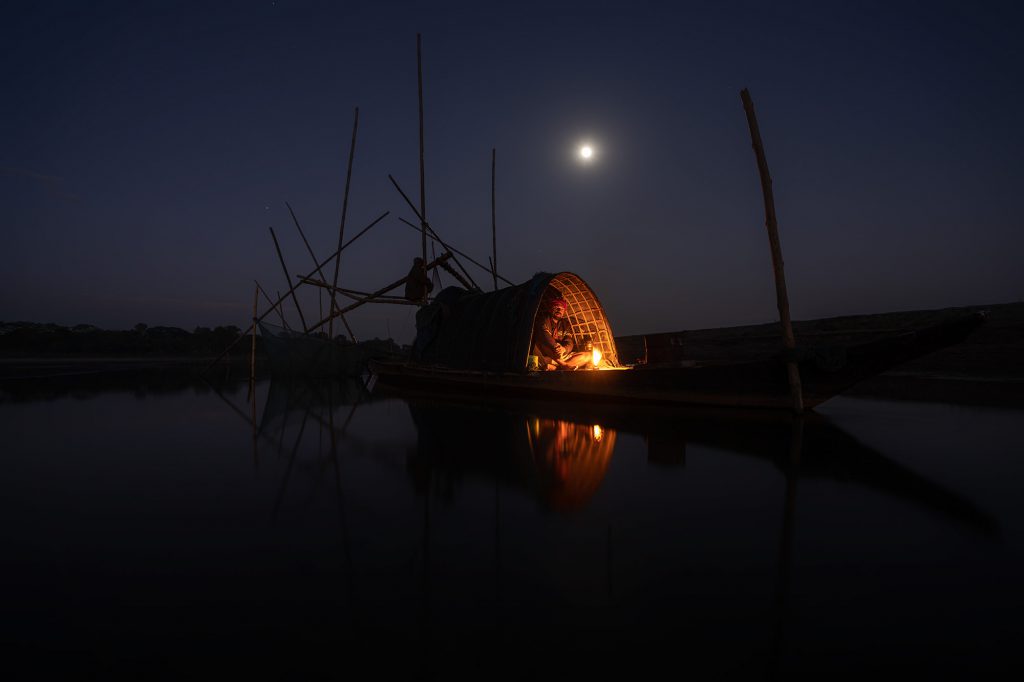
597,357
598,432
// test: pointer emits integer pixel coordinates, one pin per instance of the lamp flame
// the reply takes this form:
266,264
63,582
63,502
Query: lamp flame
598,432
597,357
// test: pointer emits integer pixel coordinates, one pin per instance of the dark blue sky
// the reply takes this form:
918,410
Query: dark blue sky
146,147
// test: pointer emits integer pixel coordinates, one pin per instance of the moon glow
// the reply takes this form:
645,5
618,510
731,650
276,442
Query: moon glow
586,152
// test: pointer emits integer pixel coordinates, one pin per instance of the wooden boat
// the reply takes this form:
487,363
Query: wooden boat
478,343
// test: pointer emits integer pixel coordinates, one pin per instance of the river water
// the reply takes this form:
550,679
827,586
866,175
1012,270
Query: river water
178,531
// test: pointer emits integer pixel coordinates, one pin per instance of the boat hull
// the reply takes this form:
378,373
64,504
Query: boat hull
824,372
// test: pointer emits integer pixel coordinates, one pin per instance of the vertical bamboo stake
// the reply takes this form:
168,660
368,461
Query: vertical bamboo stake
341,228
288,280
782,298
423,189
494,229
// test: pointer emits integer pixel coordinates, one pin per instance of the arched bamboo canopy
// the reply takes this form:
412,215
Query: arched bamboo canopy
493,331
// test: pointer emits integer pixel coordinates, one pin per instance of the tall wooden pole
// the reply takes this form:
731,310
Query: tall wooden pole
423,188
494,229
782,298
341,228
288,279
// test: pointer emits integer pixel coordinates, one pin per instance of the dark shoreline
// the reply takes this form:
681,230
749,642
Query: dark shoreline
986,369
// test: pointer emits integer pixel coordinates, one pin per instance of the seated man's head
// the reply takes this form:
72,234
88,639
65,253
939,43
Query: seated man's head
558,307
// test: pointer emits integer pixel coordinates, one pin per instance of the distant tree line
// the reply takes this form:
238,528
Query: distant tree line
31,339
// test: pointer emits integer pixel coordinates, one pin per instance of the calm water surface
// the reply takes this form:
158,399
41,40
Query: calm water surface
190,533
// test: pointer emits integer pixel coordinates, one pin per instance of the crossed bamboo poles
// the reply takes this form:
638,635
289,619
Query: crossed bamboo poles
317,277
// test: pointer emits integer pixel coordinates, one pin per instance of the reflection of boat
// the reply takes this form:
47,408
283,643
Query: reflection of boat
560,461
457,435
293,353
479,342
571,457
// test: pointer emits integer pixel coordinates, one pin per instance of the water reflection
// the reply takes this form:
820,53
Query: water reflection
571,459
565,453
471,529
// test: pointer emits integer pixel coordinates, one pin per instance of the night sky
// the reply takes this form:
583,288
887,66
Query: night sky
146,148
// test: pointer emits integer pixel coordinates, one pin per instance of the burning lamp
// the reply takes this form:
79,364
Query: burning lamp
597,357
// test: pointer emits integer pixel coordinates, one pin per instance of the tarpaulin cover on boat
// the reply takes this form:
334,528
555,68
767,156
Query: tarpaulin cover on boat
494,330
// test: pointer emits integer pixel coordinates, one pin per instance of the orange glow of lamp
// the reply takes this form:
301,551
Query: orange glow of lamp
597,357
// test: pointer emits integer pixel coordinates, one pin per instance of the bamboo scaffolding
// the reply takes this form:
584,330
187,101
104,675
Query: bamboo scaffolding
371,298
341,227
781,296
276,305
319,269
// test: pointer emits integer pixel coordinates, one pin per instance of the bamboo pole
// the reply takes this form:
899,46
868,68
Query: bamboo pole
341,227
364,230
457,277
449,247
288,278
423,187
360,295
320,270
437,271
344,291
433,234
494,229
781,297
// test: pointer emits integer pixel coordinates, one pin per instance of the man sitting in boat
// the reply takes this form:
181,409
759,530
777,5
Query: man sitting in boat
552,339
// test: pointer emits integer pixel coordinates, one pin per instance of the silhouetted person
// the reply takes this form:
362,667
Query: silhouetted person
417,283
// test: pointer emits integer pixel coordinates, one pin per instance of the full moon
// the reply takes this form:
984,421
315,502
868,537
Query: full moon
586,152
